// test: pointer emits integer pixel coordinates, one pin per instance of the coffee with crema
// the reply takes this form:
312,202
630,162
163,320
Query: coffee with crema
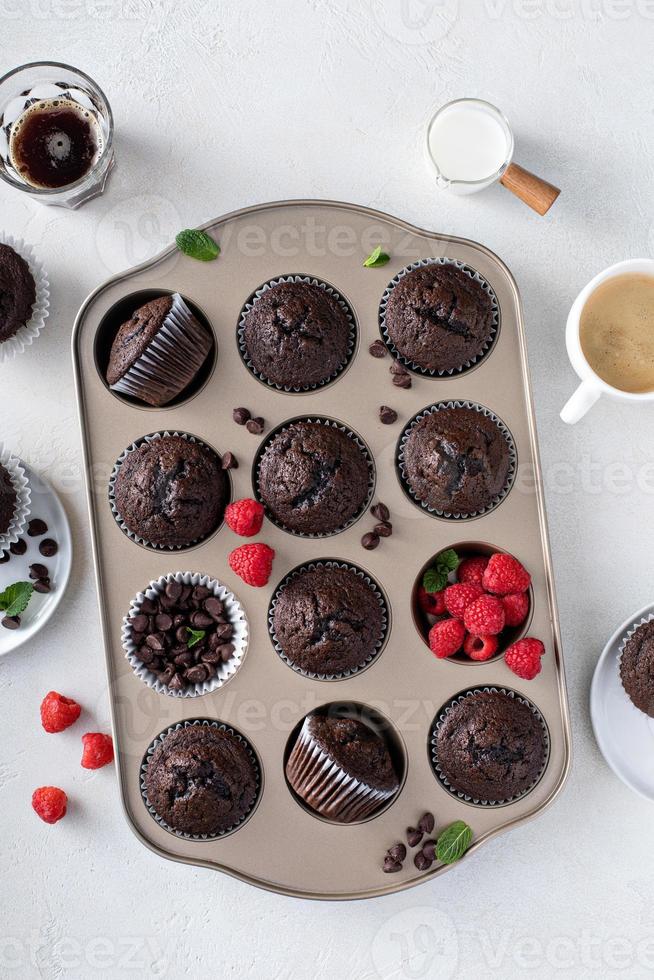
617,332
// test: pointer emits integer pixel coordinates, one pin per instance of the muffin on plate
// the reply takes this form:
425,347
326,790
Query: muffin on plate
17,292
490,746
313,478
457,460
8,500
171,491
438,317
201,779
637,667
341,768
328,620
296,335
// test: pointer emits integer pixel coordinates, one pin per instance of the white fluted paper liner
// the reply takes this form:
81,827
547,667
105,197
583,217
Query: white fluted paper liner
112,491
334,794
331,292
28,333
23,497
374,588
432,372
171,360
348,432
233,612
623,643
453,704
209,724
513,459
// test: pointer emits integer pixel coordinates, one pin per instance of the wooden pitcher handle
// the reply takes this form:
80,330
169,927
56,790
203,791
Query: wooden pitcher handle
534,191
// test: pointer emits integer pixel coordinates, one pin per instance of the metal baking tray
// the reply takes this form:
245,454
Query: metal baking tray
282,846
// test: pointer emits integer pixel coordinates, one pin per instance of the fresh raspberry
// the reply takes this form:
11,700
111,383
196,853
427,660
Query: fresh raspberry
472,569
523,657
58,712
516,607
49,803
480,647
244,517
484,616
252,563
98,750
504,575
446,637
432,603
458,597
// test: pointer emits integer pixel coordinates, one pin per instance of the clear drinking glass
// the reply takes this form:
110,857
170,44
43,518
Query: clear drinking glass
44,80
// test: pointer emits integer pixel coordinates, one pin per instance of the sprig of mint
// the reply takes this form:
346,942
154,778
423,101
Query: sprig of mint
14,599
197,245
376,258
194,637
453,842
435,578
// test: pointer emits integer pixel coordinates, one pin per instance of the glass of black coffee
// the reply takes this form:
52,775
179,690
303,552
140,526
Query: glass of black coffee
56,134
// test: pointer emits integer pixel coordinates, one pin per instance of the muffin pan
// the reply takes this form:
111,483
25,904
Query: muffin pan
283,846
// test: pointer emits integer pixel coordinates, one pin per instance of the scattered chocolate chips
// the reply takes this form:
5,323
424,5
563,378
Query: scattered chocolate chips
387,415
11,622
36,527
370,540
378,348
390,866
425,856
413,836
255,426
397,851
42,585
48,547
380,511
402,380
18,547
426,822
38,571
429,850
241,416
421,861
229,461
384,529
4,557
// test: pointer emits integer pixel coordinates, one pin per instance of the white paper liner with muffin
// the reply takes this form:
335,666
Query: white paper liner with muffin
468,363
234,613
21,507
621,649
27,334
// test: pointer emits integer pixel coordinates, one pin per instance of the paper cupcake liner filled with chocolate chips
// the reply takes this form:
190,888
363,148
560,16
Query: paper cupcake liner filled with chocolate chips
185,635
20,505
30,330
467,364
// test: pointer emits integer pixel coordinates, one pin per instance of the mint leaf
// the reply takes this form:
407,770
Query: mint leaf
453,842
14,599
447,561
194,637
376,258
197,245
433,580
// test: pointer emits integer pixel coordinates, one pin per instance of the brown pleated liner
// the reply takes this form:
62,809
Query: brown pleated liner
432,372
235,615
172,358
344,305
172,548
326,788
210,724
441,718
321,420
379,595
448,515
23,498
623,642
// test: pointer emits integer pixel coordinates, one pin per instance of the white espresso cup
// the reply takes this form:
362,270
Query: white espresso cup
592,386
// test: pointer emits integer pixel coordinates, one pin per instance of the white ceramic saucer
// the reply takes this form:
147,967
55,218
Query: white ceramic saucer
624,734
46,505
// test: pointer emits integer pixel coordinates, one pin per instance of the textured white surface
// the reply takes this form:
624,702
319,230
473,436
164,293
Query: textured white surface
222,105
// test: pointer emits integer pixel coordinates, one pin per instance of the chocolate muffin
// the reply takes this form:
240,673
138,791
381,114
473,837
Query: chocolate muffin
8,498
637,667
201,780
313,478
457,460
341,768
17,292
490,746
171,491
296,335
327,620
438,317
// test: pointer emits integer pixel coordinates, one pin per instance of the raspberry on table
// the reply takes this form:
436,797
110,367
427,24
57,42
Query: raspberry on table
480,647
244,517
58,712
516,607
432,603
523,657
472,569
252,563
446,637
505,575
484,616
98,750
459,596
49,803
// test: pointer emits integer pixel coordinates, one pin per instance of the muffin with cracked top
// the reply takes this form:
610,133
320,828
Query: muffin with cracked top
296,335
313,478
171,491
637,667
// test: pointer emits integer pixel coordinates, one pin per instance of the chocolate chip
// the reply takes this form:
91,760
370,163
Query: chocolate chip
4,557
197,674
173,590
390,866
185,658
167,674
429,850
36,527
48,547
11,622
402,380
42,585
229,461
384,529
19,547
163,622
176,683
422,862
397,852
378,348
370,540
38,571
387,415
155,641
224,631
147,606
255,426
226,651
213,606
426,822
201,592
200,620
241,416
380,511
139,623
413,836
